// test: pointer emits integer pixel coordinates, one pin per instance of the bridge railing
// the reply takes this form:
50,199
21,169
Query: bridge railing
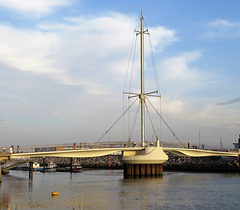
66,146
94,145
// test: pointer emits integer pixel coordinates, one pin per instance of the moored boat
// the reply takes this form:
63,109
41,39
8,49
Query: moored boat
75,168
25,167
51,167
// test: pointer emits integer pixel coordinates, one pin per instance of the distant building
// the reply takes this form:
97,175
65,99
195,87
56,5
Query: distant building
237,145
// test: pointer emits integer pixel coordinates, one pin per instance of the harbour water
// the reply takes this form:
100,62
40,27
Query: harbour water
106,189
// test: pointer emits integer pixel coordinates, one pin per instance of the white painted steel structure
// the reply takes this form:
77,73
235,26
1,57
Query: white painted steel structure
131,151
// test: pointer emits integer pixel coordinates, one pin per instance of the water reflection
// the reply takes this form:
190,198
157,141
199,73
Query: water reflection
106,189
30,185
137,193
4,201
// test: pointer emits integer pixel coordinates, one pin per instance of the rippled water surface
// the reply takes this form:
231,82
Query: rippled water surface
106,189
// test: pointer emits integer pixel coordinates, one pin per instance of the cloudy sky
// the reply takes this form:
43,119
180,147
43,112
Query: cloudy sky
63,64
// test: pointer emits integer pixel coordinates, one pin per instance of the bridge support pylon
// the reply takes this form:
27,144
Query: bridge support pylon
148,162
142,170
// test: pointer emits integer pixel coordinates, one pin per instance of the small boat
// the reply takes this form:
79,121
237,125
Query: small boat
75,168
25,167
51,167
5,172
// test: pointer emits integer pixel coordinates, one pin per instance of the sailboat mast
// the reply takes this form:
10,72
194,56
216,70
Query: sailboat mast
142,95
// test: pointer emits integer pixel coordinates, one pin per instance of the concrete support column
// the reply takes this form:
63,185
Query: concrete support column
158,169
131,169
146,162
154,169
137,169
143,170
161,169
128,170
149,169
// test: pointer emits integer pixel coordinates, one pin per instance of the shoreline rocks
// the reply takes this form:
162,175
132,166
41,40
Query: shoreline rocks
90,162
174,163
202,164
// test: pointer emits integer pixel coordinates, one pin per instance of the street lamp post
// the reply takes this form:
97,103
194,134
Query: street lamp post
199,139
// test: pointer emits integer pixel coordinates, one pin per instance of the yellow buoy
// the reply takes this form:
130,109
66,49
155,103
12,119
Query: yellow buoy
54,194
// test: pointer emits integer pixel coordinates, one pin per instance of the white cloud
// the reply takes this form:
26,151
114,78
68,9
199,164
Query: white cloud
177,68
178,75
161,37
31,51
216,117
223,28
186,119
81,52
173,107
223,24
34,7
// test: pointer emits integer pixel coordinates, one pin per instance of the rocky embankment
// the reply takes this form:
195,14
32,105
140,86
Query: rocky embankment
91,162
201,164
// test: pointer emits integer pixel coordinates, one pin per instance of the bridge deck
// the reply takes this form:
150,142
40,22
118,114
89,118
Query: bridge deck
5,156
132,151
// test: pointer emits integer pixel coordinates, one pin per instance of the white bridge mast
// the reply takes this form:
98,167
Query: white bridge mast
142,96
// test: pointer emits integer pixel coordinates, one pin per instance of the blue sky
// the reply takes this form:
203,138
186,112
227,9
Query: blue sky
63,65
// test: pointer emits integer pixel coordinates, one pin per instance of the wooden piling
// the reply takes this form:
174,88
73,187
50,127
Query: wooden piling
71,162
160,169
43,164
137,167
149,170
30,170
125,175
142,170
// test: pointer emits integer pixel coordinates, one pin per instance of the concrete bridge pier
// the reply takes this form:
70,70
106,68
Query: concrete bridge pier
142,170
148,162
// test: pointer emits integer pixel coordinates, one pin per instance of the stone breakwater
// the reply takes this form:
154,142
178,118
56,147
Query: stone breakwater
201,164
91,162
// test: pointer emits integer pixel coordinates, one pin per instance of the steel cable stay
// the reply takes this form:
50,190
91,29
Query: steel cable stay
133,124
116,121
166,123
132,55
156,83
130,85
153,60
151,122
138,95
